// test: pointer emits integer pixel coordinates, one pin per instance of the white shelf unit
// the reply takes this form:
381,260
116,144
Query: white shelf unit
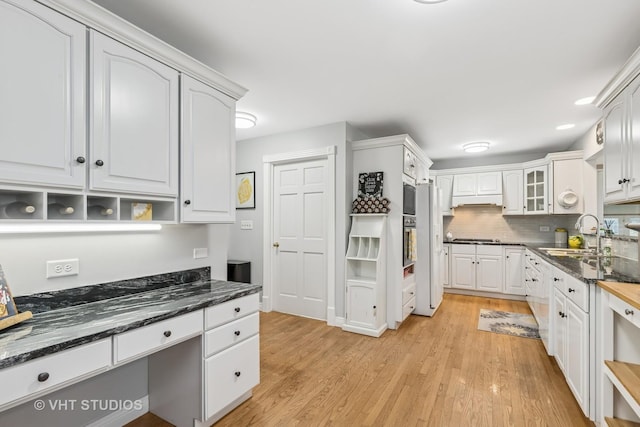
619,361
366,275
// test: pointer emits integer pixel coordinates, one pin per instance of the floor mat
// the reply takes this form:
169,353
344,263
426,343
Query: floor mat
503,322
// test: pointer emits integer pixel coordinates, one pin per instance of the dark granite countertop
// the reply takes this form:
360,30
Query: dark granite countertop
587,269
73,325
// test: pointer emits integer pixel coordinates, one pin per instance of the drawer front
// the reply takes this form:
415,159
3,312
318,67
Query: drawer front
578,292
625,310
232,333
408,293
55,370
463,249
230,310
230,374
408,308
145,340
489,250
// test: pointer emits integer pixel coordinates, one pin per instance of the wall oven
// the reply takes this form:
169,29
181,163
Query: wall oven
409,241
408,196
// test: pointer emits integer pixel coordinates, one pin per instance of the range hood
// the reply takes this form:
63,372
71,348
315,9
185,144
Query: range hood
489,199
477,189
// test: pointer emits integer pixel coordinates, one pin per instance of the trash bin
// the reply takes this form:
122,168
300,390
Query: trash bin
239,271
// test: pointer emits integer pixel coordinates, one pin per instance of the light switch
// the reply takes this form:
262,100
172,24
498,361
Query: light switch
246,224
544,228
200,252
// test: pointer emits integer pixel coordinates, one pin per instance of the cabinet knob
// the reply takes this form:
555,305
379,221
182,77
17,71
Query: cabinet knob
187,202
628,312
167,334
237,309
99,162
237,333
80,159
619,181
42,377
276,245
374,306
571,290
237,373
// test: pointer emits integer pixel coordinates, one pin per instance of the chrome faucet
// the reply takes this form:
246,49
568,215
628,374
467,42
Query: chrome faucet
579,226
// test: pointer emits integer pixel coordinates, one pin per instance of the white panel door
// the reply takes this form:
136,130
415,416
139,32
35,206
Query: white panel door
514,271
633,141
42,96
463,271
489,273
134,121
577,361
464,184
300,224
207,154
445,183
489,183
614,159
560,329
512,196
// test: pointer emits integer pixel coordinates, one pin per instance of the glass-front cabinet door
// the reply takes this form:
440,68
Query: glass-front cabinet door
535,190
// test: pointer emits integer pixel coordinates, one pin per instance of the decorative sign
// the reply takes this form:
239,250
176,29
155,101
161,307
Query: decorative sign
370,184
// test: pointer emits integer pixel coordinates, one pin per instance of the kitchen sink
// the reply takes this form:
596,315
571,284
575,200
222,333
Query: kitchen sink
568,251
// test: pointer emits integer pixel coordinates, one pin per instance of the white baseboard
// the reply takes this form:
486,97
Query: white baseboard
475,293
123,416
339,321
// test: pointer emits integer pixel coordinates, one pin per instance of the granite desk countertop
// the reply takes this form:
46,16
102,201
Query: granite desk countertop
59,329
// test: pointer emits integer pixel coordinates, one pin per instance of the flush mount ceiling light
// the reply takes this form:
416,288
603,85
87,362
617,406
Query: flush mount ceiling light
566,126
245,120
476,147
585,101
429,1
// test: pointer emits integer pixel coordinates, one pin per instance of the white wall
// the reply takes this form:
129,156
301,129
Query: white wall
106,257
485,160
247,244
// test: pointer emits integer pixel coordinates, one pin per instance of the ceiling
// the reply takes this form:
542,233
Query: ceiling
502,71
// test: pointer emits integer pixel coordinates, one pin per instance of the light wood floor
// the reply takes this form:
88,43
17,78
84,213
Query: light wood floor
438,371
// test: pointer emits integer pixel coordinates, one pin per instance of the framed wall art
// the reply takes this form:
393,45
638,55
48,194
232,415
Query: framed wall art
246,190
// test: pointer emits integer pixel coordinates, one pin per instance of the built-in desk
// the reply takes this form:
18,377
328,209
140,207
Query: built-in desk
200,338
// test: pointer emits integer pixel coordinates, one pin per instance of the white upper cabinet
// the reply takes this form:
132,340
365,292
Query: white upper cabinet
134,121
207,153
464,184
613,149
42,96
410,166
535,190
568,194
512,197
477,184
445,183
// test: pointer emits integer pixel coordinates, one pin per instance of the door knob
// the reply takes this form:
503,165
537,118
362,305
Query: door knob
276,245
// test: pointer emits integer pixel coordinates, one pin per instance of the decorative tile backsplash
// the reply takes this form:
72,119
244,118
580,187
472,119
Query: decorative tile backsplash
487,222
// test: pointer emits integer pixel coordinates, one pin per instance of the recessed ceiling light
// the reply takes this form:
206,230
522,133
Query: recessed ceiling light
585,101
245,120
565,126
476,147
429,1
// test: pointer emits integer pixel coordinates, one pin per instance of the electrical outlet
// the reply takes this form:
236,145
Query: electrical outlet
544,228
63,267
200,252
246,224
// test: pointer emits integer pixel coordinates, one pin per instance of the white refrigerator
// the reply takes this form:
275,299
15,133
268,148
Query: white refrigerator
429,278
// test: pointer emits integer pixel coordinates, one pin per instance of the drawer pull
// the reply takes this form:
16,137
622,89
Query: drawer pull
43,377
571,290
167,334
237,309
628,312
555,279
237,333
237,373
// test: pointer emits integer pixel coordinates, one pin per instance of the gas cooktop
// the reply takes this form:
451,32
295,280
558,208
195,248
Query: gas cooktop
463,240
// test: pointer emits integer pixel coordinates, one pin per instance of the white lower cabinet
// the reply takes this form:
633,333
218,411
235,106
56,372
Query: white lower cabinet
231,356
444,267
230,374
514,270
571,334
46,374
477,267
